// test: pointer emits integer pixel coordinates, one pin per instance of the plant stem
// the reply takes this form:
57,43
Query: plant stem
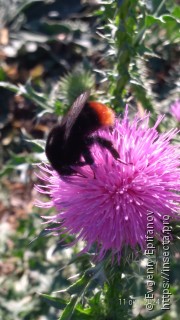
125,18
115,296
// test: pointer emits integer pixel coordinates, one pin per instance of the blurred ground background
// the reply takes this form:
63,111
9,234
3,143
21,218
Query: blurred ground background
44,40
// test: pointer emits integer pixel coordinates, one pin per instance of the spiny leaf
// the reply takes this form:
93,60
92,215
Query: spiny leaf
68,311
28,92
151,20
58,303
38,142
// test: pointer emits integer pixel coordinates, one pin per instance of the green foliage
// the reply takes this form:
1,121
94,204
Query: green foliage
28,92
33,273
64,94
128,32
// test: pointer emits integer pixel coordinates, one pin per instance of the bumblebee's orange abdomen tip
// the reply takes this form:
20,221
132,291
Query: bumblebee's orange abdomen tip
105,114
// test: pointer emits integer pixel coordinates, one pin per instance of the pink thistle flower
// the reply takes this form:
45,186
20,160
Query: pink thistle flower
107,204
175,110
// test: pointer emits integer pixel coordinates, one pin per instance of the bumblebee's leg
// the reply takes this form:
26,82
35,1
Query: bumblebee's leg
88,159
88,156
105,144
81,163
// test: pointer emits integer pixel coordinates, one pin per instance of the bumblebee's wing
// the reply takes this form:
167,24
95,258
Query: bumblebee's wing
74,112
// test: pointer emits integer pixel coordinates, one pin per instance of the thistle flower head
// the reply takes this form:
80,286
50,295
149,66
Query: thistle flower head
175,110
107,204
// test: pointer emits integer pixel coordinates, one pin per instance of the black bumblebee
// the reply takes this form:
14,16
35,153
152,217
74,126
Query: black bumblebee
71,139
